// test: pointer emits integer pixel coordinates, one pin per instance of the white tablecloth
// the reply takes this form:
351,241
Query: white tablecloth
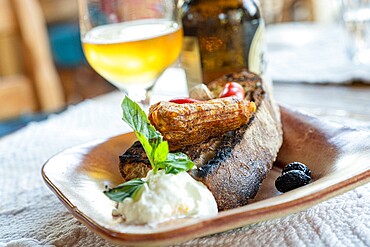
31,215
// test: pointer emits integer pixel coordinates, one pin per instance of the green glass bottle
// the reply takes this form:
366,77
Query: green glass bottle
221,36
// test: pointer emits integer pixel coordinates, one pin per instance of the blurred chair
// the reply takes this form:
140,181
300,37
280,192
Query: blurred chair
64,37
288,10
298,10
79,80
29,81
68,56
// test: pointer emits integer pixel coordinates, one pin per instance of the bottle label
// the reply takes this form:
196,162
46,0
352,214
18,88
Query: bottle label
256,51
191,61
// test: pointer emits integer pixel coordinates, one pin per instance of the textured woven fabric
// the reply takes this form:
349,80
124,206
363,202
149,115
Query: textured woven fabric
31,215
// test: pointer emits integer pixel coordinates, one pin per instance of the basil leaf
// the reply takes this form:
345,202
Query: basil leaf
161,152
146,145
137,194
176,162
125,190
136,118
148,136
155,148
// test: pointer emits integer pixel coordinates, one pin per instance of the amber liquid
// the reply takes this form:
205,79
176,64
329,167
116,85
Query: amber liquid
221,36
134,53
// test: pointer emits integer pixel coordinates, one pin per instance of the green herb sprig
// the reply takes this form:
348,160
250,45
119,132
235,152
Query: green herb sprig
155,148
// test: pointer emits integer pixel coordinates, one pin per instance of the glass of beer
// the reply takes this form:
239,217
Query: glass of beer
131,42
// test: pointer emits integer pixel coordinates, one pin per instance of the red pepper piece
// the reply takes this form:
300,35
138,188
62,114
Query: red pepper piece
183,100
232,89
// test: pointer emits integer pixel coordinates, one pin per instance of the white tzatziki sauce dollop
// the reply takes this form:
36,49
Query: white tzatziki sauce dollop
168,196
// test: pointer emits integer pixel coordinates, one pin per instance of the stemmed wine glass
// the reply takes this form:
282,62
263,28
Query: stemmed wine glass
131,42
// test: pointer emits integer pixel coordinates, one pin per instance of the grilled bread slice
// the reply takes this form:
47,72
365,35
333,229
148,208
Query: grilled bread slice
234,163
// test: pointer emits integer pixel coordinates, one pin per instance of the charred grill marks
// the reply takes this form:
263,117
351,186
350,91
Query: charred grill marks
233,164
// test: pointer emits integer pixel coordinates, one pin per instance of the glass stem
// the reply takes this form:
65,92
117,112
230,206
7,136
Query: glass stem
141,96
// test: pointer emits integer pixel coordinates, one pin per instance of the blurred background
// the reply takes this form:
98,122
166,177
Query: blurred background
42,67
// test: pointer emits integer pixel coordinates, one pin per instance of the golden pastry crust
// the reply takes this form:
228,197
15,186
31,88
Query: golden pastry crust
191,123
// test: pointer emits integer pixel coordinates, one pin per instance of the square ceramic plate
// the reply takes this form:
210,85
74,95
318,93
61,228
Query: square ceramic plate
338,156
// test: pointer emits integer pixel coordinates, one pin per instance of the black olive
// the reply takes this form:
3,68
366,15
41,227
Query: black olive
291,180
297,166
